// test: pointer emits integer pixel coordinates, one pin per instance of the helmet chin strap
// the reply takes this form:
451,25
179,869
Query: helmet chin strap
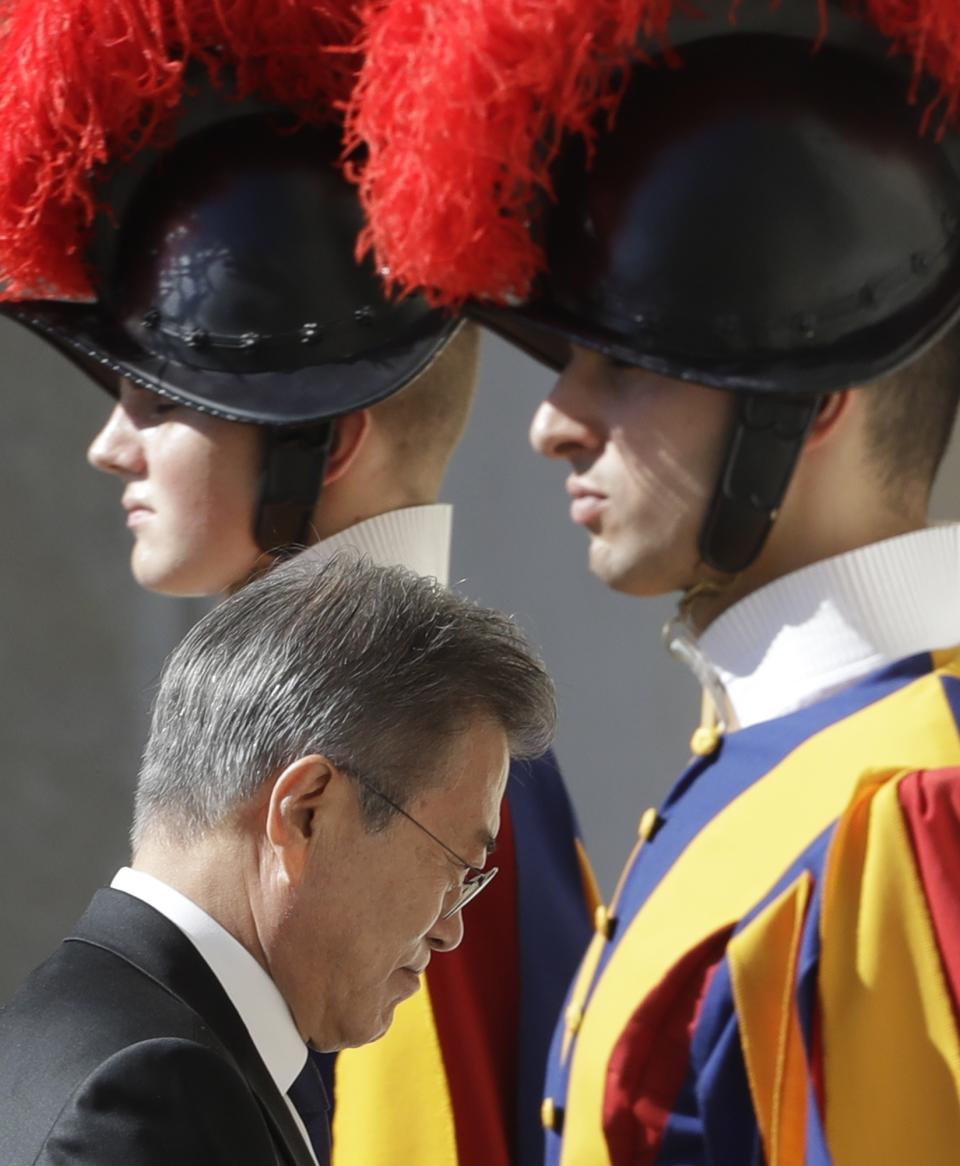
765,442
291,480
768,434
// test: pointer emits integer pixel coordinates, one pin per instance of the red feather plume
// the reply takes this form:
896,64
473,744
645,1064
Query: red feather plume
87,83
461,106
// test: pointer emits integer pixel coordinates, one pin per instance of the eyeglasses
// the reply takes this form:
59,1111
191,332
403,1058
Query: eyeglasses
475,880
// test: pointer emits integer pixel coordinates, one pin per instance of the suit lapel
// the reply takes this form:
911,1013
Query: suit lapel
137,933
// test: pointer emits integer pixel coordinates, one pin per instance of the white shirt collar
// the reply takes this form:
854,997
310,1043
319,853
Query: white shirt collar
417,538
818,630
254,995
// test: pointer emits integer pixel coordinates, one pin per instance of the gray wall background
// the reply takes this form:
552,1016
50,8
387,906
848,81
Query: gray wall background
81,645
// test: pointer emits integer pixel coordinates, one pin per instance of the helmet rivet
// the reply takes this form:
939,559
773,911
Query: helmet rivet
869,295
364,315
807,325
648,321
151,318
250,339
920,262
310,333
197,338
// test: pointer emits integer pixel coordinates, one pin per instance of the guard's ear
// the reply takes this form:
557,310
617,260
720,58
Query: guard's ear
294,807
831,416
350,432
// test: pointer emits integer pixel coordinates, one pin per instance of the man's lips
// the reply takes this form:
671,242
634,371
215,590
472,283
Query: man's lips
588,502
412,977
137,510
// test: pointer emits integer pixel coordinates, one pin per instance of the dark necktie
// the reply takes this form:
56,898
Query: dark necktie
310,1100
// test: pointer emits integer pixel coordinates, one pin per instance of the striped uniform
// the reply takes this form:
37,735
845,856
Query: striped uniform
775,979
457,1080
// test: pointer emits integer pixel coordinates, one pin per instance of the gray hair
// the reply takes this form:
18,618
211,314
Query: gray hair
373,667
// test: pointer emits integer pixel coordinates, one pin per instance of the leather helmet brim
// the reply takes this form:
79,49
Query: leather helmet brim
295,397
547,332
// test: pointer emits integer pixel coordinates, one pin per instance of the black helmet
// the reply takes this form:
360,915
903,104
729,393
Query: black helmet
224,274
229,284
763,216
774,210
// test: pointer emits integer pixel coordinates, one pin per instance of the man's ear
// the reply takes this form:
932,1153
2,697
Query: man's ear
350,432
832,414
293,807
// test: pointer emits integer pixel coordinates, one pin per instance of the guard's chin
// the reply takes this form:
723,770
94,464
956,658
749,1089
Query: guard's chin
637,575
151,576
179,580
610,568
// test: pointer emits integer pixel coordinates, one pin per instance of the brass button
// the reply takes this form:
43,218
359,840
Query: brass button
649,821
705,740
550,1115
604,921
573,1018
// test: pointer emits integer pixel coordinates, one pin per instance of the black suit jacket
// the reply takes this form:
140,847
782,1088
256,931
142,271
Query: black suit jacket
122,1049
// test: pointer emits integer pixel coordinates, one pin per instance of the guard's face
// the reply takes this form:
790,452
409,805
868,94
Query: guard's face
365,920
190,492
645,453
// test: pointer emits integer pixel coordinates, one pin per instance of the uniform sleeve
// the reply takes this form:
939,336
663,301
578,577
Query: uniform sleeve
157,1103
846,986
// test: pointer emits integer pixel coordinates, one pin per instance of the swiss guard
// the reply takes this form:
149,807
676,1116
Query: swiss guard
173,216
755,207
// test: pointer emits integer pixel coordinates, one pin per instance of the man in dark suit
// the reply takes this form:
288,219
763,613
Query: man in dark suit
318,797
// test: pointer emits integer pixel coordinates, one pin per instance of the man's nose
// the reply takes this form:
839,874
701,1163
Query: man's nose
117,448
561,427
446,934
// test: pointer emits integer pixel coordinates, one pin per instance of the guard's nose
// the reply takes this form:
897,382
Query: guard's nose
117,448
564,425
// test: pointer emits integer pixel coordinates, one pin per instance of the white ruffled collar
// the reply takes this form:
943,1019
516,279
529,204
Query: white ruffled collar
417,538
818,630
